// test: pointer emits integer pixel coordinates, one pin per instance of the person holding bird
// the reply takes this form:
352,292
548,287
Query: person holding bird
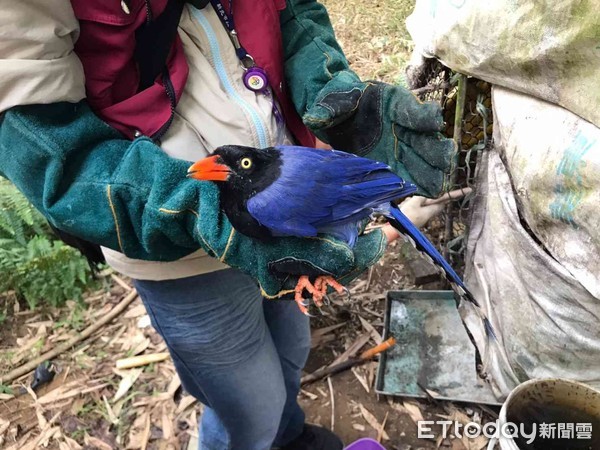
104,107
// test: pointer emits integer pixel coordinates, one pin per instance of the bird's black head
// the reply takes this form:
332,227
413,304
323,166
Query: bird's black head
243,170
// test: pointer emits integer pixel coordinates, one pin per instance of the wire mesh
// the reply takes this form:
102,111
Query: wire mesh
467,106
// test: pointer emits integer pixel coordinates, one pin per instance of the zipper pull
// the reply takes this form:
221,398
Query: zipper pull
125,7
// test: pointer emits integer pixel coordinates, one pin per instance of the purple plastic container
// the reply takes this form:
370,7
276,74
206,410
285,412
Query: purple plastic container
365,444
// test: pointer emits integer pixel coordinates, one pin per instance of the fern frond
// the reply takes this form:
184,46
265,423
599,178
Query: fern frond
33,262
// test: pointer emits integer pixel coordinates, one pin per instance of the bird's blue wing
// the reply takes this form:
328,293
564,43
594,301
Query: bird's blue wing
407,228
319,190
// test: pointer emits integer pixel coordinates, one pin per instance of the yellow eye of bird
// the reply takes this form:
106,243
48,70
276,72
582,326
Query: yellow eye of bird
246,163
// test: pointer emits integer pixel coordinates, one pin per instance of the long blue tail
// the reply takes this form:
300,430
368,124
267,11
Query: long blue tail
407,228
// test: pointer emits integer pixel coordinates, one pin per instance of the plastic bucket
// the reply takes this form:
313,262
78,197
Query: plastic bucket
552,401
365,444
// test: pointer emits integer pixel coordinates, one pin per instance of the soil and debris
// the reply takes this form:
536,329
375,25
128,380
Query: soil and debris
91,404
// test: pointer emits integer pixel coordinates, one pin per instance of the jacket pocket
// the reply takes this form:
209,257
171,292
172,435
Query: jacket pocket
109,12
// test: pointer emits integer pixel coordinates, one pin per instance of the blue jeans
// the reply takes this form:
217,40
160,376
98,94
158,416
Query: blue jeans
238,354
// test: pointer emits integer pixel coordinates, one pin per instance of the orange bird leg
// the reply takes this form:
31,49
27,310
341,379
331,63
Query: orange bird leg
318,290
303,283
325,281
321,290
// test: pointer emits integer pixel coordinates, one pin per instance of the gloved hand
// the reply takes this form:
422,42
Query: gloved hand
375,120
277,265
386,123
133,198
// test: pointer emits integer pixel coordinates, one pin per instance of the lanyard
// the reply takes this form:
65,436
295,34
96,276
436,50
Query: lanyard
255,78
227,21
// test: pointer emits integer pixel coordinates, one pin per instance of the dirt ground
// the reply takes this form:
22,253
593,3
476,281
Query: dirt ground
92,405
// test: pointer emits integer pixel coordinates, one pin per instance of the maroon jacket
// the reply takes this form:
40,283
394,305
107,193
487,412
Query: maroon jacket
106,48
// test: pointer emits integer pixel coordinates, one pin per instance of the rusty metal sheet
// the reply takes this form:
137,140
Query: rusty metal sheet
432,352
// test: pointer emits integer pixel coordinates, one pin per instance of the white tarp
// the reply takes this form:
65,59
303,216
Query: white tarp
547,49
533,255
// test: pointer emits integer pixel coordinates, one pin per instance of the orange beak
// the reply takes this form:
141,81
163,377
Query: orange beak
209,169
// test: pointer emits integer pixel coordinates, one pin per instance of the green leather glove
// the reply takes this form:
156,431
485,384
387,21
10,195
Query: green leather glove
131,197
386,123
278,265
376,120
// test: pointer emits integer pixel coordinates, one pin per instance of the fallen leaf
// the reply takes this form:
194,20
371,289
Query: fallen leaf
144,321
372,421
185,403
370,367
457,444
146,432
173,385
45,323
414,412
309,394
140,346
77,405
381,430
136,311
22,442
72,443
432,394
353,349
137,433
371,330
325,330
112,417
72,393
42,422
4,424
167,425
95,442
361,379
45,435
469,444
128,379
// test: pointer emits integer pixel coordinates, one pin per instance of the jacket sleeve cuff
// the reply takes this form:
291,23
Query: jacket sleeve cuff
38,81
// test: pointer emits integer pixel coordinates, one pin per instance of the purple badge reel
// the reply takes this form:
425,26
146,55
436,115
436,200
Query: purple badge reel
256,79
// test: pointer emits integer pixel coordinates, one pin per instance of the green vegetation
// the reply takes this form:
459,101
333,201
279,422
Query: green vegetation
33,262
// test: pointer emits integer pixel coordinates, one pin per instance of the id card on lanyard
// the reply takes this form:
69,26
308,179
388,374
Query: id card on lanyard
255,78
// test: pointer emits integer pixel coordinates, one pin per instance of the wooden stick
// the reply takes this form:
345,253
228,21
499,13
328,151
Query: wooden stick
381,430
120,282
345,365
141,360
452,195
31,365
378,348
332,403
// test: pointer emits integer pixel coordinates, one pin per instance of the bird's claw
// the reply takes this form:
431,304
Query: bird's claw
318,290
347,293
323,313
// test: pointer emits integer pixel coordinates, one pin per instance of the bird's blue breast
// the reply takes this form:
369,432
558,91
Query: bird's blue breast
321,191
